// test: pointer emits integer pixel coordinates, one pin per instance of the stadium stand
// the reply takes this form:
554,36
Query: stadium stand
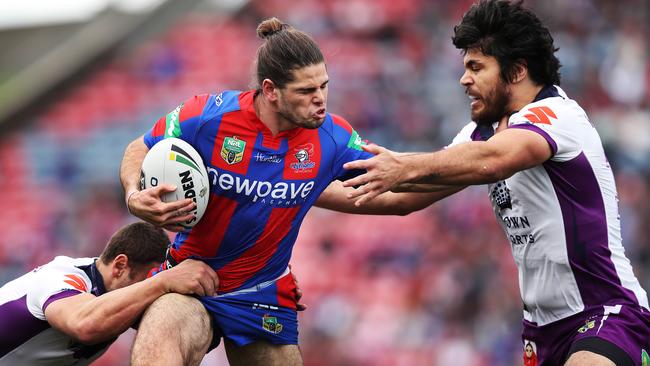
436,287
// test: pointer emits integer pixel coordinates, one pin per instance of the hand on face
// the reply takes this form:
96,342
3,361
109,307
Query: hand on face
148,205
383,172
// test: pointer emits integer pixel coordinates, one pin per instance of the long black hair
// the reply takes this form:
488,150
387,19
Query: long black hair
513,35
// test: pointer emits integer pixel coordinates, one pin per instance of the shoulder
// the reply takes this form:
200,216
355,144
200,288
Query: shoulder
555,111
342,132
57,279
340,122
67,272
209,104
229,101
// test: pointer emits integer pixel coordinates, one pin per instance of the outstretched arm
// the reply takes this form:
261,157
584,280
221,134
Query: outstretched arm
147,204
93,319
506,153
335,198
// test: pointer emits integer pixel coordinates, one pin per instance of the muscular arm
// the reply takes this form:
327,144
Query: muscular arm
131,164
506,153
389,203
93,319
147,204
479,162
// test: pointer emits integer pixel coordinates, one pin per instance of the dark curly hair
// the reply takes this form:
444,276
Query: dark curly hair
513,35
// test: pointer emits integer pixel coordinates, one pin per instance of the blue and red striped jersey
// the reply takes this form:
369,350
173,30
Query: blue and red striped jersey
261,186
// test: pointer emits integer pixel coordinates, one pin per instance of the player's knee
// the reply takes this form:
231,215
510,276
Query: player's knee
586,358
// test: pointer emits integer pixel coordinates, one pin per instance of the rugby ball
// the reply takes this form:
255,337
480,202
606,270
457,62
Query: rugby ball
174,161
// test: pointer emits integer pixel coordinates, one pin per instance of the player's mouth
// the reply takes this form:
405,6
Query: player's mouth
475,99
319,114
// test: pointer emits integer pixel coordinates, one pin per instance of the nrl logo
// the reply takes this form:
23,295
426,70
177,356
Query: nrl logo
232,150
270,324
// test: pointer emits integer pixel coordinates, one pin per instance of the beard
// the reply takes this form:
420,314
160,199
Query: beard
495,105
286,111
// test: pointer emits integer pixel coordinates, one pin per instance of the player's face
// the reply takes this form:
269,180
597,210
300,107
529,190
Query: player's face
488,92
303,101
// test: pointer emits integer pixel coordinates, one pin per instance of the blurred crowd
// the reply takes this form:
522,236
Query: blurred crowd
437,287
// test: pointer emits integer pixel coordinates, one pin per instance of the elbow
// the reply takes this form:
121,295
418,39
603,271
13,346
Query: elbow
89,331
493,172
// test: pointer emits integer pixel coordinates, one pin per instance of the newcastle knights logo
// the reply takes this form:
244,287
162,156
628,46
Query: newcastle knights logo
303,155
232,150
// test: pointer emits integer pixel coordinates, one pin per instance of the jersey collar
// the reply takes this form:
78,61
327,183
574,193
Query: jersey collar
96,278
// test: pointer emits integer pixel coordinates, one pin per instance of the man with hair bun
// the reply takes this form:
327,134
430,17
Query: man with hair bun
271,154
551,188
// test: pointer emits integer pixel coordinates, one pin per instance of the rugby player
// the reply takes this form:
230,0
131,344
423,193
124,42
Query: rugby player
68,311
551,188
270,153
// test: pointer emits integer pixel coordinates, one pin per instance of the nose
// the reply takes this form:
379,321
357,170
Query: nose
465,79
319,97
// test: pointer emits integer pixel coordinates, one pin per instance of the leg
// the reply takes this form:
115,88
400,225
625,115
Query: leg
175,330
263,353
586,358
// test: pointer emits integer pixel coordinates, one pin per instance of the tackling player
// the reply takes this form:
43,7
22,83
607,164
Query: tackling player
270,153
550,185
68,311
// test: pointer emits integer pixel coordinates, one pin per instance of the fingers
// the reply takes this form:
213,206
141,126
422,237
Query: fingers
194,277
374,149
366,198
358,164
164,188
299,306
358,180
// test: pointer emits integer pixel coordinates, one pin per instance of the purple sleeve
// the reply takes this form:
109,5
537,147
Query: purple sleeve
544,134
58,296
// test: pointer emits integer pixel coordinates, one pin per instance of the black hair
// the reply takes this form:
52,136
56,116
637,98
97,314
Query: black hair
513,35
285,49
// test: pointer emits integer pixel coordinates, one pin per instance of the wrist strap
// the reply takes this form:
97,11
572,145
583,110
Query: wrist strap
127,202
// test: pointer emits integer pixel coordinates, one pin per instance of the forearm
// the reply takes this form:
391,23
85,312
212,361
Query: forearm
390,203
464,164
107,316
131,165
335,198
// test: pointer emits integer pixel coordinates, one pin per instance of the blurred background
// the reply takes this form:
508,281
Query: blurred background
81,79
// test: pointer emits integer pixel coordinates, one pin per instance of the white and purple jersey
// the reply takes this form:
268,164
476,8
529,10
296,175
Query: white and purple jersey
561,217
26,338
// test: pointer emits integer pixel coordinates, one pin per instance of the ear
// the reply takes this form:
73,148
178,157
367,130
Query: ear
120,265
270,90
521,71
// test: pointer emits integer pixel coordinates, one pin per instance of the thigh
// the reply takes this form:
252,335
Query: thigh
184,325
263,353
586,358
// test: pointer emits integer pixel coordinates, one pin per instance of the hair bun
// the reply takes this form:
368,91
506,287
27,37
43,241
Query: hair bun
270,27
